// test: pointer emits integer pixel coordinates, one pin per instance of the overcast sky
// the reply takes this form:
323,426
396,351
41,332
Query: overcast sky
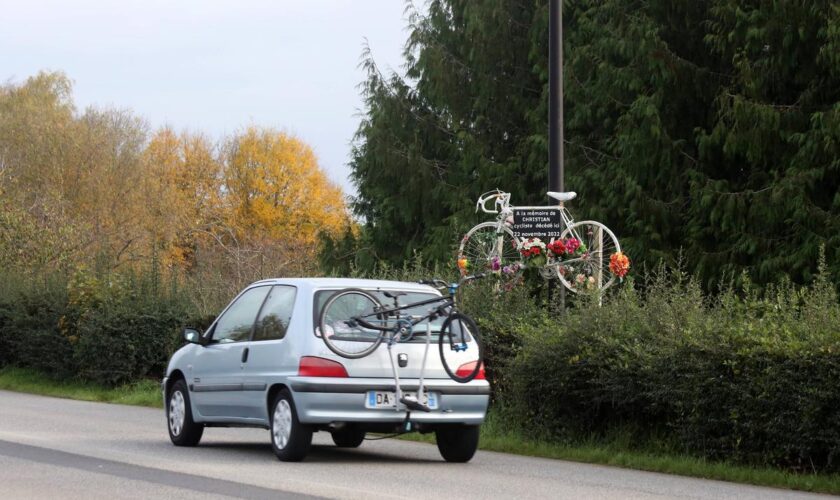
210,65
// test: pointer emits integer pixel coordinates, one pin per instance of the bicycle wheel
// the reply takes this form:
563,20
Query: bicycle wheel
461,350
341,333
589,272
486,249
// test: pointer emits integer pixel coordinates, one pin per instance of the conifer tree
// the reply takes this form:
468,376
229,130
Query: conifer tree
710,127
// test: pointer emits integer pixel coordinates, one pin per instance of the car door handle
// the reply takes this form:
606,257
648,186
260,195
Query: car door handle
245,355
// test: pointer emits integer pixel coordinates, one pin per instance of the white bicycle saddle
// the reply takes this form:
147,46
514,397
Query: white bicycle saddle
570,195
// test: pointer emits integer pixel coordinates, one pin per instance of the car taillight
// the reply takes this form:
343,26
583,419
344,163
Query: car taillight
467,368
312,366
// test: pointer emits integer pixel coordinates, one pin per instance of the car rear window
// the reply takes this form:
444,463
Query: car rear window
322,296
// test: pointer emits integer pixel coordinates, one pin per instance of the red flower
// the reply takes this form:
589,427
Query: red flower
535,251
557,247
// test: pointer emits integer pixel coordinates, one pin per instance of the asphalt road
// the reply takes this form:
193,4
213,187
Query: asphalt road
55,448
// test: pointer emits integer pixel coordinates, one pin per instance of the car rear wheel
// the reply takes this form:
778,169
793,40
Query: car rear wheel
348,437
183,430
457,443
290,439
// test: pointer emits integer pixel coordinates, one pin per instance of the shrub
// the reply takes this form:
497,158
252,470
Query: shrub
128,332
744,376
105,351
501,318
107,328
29,336
6,314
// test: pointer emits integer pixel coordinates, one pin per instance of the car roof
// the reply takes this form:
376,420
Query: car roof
338,283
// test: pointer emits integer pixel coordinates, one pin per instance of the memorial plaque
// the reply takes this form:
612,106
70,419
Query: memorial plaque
542,223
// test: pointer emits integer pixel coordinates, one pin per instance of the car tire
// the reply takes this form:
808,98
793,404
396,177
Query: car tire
457,443
183,430
290,439
348,437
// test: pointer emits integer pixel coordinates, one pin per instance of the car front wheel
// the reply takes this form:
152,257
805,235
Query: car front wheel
183,430
457,443
290,439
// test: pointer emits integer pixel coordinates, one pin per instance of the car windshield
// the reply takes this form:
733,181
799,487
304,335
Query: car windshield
355,305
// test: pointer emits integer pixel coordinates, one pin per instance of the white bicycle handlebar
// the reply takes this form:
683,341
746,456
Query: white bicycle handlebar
501,199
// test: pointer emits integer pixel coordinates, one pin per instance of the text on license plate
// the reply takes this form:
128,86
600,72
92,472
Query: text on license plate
388,399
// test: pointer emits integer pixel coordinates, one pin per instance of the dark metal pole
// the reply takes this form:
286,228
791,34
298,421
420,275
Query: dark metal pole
555,114
555,97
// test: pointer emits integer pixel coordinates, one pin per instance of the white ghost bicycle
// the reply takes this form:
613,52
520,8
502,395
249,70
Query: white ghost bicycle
582,262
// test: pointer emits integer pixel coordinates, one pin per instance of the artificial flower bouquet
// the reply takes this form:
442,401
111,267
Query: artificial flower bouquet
536,253
533,252
566,256
566,248
619,264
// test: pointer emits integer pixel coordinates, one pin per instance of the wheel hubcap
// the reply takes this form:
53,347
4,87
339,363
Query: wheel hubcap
281,424
177,413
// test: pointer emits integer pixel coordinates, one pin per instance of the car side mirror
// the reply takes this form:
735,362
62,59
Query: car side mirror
192,336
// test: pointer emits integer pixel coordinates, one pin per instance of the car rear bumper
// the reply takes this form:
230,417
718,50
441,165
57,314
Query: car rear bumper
328,400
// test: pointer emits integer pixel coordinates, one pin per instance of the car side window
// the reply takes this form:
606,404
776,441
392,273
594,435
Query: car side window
236,323
276,313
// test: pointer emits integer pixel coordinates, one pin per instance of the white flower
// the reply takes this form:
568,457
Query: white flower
531,243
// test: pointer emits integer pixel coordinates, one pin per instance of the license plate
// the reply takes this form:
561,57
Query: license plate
388,399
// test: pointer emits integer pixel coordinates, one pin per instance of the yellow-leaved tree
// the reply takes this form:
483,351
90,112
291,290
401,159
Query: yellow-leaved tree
277,196
68,180
182,193
94,189
274,186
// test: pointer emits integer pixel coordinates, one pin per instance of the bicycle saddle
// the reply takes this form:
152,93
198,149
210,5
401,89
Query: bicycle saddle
393,295
567,196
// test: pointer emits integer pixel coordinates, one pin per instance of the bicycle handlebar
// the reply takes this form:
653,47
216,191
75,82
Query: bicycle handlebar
501,199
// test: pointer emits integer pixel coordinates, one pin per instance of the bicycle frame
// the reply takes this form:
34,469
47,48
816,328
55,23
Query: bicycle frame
403,327
393,315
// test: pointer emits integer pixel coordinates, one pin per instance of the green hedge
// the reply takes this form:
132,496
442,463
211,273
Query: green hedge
126,343
106,328
742,377
29,335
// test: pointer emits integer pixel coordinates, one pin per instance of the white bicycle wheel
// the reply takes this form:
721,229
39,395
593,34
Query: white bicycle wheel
486,249
590,271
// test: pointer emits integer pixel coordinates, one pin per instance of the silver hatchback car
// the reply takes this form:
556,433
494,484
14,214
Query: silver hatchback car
262,363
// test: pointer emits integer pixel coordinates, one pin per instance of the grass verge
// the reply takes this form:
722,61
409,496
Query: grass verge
142,393
495,436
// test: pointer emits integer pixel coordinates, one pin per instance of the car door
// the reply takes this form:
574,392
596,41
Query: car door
270,360
216,378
